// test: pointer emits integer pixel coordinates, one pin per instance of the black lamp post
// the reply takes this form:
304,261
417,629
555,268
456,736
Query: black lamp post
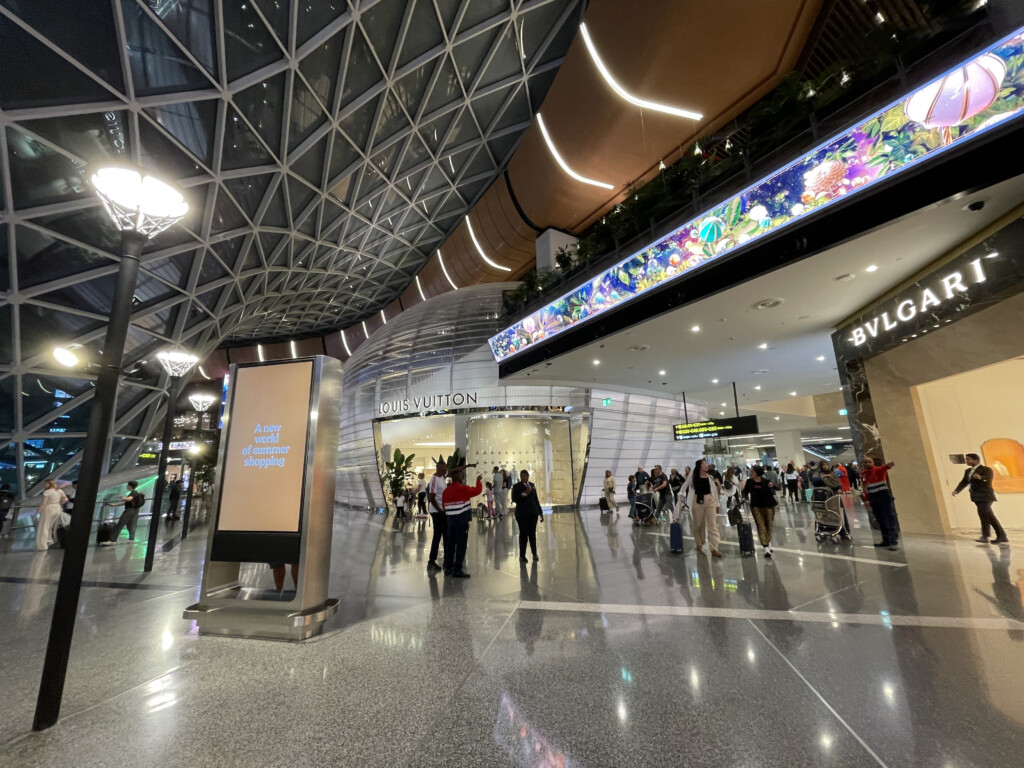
141,206
201,402
177,364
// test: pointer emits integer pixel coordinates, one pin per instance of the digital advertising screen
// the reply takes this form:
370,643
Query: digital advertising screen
265,457
712,428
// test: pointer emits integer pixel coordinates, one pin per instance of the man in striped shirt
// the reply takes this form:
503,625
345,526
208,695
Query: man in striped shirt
458,511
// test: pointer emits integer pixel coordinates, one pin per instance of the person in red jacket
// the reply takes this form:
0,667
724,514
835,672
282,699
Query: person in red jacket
876,484
459,512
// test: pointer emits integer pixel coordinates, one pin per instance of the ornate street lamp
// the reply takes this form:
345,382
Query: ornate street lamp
201,403
177,365
141,206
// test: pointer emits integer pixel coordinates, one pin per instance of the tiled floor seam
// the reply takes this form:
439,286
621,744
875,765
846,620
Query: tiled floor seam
10,743
416,750
820,698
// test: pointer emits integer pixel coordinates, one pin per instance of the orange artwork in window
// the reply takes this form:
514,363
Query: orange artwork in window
1006,458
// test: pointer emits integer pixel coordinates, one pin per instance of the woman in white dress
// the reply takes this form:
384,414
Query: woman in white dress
50,509
609,491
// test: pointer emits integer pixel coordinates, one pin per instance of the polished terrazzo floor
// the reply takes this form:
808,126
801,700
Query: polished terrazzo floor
610,652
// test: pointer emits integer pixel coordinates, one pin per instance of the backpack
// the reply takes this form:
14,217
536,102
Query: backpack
140,500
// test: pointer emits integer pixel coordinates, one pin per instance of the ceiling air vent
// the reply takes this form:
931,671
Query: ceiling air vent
769,303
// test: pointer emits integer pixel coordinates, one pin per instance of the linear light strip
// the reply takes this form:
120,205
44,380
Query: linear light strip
688,114
472,236
561,162
292,345
710,235
344,343
259,352
383,316
446,275
203,373
420,288
366,333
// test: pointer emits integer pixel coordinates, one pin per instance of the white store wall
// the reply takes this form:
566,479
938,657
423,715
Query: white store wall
960,413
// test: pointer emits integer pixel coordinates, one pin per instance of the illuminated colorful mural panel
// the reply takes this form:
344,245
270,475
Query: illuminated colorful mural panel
962,104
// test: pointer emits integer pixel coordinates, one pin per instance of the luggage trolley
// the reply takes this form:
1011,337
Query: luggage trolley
829,519
645,509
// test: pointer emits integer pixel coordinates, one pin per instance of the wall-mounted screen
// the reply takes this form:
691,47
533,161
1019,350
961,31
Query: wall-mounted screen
265,457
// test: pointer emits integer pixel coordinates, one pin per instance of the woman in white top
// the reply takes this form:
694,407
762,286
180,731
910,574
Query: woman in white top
609,491
792,482
49,514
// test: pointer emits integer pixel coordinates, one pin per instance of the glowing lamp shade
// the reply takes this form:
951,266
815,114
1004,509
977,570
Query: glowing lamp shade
65,357
138,202
202,402
195,449
176,362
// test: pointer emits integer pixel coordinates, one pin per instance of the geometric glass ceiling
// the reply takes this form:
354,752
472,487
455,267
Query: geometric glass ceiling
326,148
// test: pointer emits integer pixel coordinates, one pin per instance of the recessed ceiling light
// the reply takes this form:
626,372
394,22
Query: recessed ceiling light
792,394
721,413
661,373
777,418
758,387
723,405
762,346
597,362
820,358
695,328
714,381
871,268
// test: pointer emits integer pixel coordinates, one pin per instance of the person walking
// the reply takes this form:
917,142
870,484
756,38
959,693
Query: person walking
133,503
457,504
876,484
844,478
979,478
792,480
609,492
631,495
421,496
660,485
642,479
675,482
730,487
438,518
759,492
49,515
489,495
702,498
6,511
528,511
174,498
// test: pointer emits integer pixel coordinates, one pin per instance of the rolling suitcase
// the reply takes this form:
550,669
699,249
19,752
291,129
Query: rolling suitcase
107,532
602,502
746,537
675,538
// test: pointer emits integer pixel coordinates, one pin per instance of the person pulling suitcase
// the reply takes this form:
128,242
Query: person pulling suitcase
760,492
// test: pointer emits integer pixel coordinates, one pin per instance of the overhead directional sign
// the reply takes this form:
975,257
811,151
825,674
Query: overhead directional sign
701,430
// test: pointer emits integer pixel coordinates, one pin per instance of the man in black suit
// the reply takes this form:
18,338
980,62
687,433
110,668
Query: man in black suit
524,496
979,478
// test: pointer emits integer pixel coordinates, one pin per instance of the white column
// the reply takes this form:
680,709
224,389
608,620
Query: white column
788,447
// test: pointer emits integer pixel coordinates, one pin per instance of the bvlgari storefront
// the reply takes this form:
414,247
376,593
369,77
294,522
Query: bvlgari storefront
933,371
427,383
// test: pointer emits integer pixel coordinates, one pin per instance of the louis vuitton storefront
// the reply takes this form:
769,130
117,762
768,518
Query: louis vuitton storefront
427,384
933,371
